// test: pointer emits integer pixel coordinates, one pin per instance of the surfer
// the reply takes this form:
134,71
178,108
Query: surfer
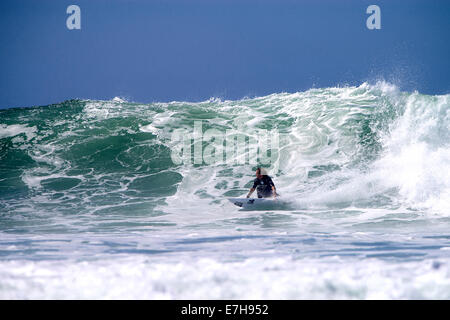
263,184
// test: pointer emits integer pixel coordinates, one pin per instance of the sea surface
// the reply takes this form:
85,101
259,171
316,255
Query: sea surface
96,204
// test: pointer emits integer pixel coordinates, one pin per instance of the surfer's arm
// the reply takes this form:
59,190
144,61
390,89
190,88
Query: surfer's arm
250,192
255,184
274,190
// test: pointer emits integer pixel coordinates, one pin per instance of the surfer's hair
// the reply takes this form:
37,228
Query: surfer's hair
261,171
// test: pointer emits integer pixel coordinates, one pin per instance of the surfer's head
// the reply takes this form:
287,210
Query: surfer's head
260,172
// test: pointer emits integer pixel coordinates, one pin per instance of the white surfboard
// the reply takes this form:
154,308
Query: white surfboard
257,203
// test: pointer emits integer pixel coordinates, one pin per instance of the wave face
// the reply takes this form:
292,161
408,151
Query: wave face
366,146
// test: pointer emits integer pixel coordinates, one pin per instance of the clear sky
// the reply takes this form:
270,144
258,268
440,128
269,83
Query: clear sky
192,50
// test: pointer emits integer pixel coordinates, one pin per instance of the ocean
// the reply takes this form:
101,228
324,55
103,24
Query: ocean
122,200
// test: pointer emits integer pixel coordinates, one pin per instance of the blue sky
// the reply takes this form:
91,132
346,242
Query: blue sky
192,50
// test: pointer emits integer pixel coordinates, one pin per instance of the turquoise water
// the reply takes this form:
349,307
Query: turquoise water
93,203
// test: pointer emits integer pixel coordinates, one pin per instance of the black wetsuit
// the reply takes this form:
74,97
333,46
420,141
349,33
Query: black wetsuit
263,187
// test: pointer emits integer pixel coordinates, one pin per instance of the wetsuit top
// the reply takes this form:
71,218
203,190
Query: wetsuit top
263,186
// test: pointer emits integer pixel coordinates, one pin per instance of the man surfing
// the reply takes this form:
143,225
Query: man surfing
263,184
